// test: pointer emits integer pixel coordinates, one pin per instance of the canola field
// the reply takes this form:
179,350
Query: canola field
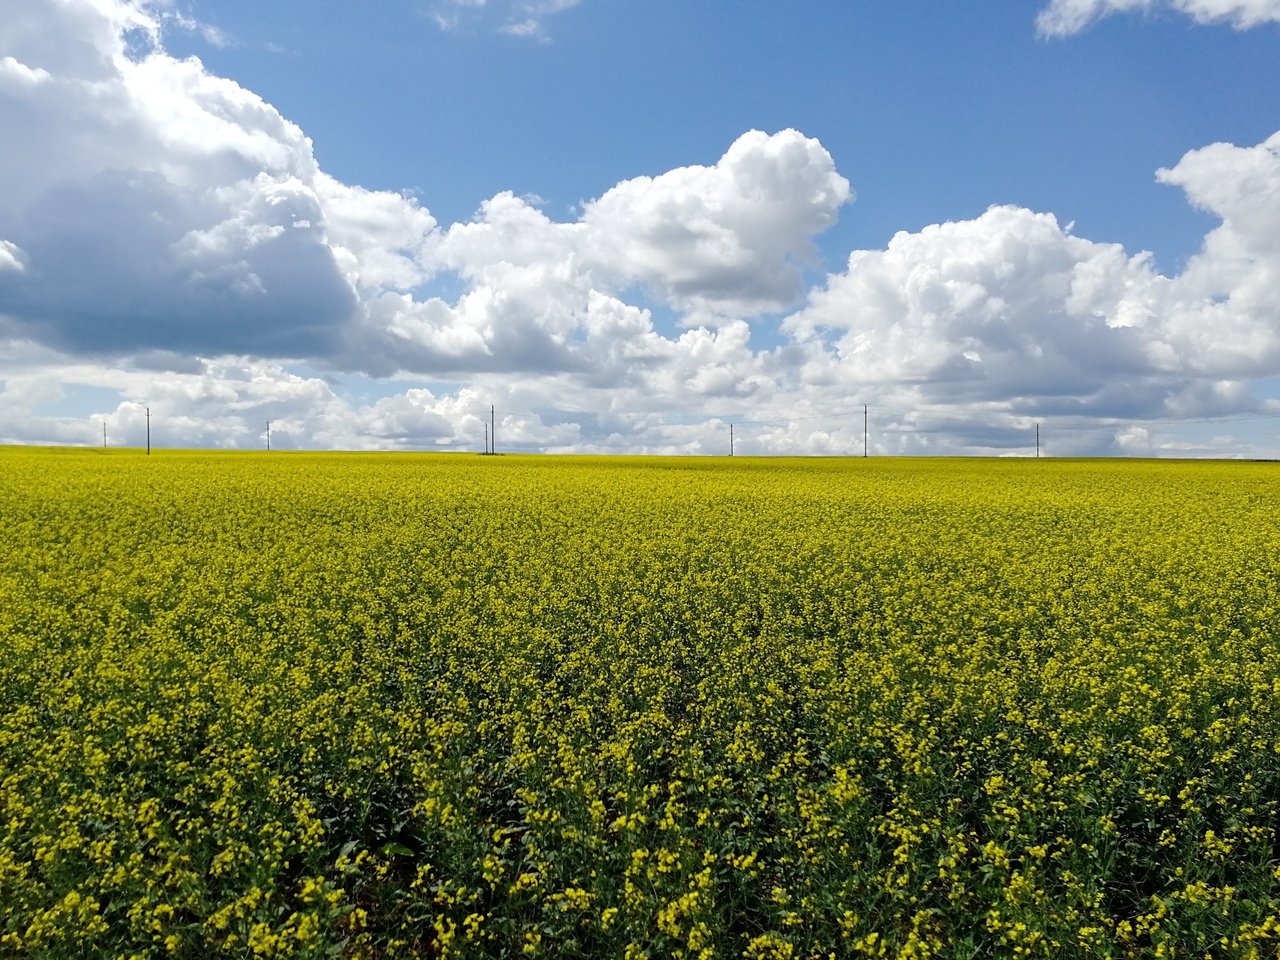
384,705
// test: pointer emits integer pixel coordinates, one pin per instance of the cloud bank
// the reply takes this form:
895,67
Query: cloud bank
169,240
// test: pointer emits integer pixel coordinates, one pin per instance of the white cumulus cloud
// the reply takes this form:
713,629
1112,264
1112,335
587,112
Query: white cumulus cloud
1006,304
160,206
732,237
1011,311
1222,314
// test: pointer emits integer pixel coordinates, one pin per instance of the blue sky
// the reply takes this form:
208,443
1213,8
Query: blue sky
628,224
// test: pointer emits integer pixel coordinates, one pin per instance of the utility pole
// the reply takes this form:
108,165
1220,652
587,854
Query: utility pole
148,431
104,434
493,431
486,439
731,439
268,434
864,429
1037,440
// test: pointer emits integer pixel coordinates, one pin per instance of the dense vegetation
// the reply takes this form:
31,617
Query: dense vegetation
411,705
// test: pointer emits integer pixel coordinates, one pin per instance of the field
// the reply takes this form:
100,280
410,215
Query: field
428,705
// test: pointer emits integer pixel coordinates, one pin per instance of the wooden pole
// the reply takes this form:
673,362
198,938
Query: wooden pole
148,431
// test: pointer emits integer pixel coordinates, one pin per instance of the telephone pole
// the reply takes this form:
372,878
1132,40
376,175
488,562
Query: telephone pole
493,431
486,439
148,431
1037,440
268,434
731,439
864,429
104,434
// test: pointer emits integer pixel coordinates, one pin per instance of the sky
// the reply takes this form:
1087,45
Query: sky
628,224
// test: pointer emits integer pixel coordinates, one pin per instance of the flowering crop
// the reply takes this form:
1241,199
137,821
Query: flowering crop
421,705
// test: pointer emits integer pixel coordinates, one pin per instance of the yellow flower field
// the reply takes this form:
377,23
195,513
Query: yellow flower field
382,705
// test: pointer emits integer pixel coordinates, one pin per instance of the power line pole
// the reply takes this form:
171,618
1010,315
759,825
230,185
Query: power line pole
1037,440
104,434
731,439
864,429
493,431
486,439
148,431
268,434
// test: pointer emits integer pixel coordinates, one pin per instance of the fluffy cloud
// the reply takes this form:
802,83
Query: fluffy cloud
1064,17
1009,316
1223,312
731,238
11,256
1005,305
158,206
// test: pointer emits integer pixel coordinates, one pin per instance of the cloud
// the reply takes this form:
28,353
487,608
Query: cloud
126,260
716,244
730,238
159,206
380,240
516,18
528,27
212,35
1006,305
1064,17
13,74
11,257
1010,308
1222,314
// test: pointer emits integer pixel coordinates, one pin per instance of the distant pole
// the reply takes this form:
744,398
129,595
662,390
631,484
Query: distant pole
1037,441
493,431
864,429
104,434
486,439
731,439
148,431
268,434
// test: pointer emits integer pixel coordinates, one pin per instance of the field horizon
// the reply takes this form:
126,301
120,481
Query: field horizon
539,454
